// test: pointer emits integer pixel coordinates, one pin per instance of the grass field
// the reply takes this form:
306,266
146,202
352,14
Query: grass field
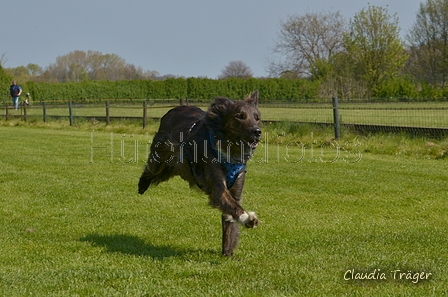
72,223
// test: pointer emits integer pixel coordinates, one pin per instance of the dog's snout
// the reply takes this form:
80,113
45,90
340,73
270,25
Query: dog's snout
257,132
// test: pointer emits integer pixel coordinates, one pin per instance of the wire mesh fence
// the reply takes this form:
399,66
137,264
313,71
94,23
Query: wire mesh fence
427,114
417,117
395,116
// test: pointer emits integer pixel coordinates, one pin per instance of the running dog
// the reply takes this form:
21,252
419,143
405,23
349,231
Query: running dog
209,150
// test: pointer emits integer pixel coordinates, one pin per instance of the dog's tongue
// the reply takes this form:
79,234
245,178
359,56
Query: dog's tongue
254,145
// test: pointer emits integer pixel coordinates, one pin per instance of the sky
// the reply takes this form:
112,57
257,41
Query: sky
189,38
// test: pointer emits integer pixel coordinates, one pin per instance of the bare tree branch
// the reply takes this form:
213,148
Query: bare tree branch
236,69
303,40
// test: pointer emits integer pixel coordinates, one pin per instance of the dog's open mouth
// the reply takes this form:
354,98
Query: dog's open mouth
253,145
250,145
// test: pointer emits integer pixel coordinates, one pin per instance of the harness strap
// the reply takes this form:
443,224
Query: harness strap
231,170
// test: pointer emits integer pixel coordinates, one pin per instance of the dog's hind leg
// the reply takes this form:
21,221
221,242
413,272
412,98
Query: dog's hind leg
159,167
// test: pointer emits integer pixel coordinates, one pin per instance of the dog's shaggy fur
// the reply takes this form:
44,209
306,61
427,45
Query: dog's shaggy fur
209,150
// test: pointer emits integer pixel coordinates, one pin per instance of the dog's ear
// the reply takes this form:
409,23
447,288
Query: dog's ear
219,108
253,98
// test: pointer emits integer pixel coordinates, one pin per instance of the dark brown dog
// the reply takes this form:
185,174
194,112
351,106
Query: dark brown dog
209,150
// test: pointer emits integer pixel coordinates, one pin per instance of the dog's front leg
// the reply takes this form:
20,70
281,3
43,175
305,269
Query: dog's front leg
230,228
222,199
231,232
229,202
230,235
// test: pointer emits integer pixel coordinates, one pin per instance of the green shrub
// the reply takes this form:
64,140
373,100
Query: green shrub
175,88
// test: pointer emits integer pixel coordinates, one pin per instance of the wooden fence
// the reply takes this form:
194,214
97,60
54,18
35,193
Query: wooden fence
429,118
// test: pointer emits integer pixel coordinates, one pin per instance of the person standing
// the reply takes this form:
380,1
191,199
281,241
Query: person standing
15,91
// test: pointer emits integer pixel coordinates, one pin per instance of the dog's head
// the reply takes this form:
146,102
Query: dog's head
236,124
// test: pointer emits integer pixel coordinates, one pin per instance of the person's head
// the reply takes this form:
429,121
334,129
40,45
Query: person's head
14,82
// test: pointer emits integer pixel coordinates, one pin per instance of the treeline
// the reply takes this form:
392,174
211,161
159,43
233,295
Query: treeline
402,88
204,89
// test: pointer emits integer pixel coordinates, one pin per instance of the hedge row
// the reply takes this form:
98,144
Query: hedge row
174,88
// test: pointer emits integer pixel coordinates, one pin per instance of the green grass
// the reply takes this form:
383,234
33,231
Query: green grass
72,224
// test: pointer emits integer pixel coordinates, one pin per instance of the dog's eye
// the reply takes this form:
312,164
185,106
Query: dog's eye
240,116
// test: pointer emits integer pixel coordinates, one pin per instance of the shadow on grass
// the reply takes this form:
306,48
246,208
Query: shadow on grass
132,245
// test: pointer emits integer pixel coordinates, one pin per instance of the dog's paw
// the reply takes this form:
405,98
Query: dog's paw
249,220
228,218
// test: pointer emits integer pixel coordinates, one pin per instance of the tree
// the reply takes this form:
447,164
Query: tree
338,79
92,65
34,69
5,82
307,44
25,73
374,47
236,69
428,43
3,59
20,73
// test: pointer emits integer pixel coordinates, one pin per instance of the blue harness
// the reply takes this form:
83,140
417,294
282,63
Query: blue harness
231,170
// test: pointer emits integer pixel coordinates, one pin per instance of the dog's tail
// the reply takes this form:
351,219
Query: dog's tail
154,176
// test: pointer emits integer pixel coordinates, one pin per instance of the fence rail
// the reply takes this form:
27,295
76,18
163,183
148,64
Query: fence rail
414,117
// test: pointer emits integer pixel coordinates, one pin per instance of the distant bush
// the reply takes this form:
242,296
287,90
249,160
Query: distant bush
396,88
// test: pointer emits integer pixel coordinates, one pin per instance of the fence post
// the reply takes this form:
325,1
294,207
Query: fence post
70,112
24,112
44,111
107,113
337,124
145,113
6,111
